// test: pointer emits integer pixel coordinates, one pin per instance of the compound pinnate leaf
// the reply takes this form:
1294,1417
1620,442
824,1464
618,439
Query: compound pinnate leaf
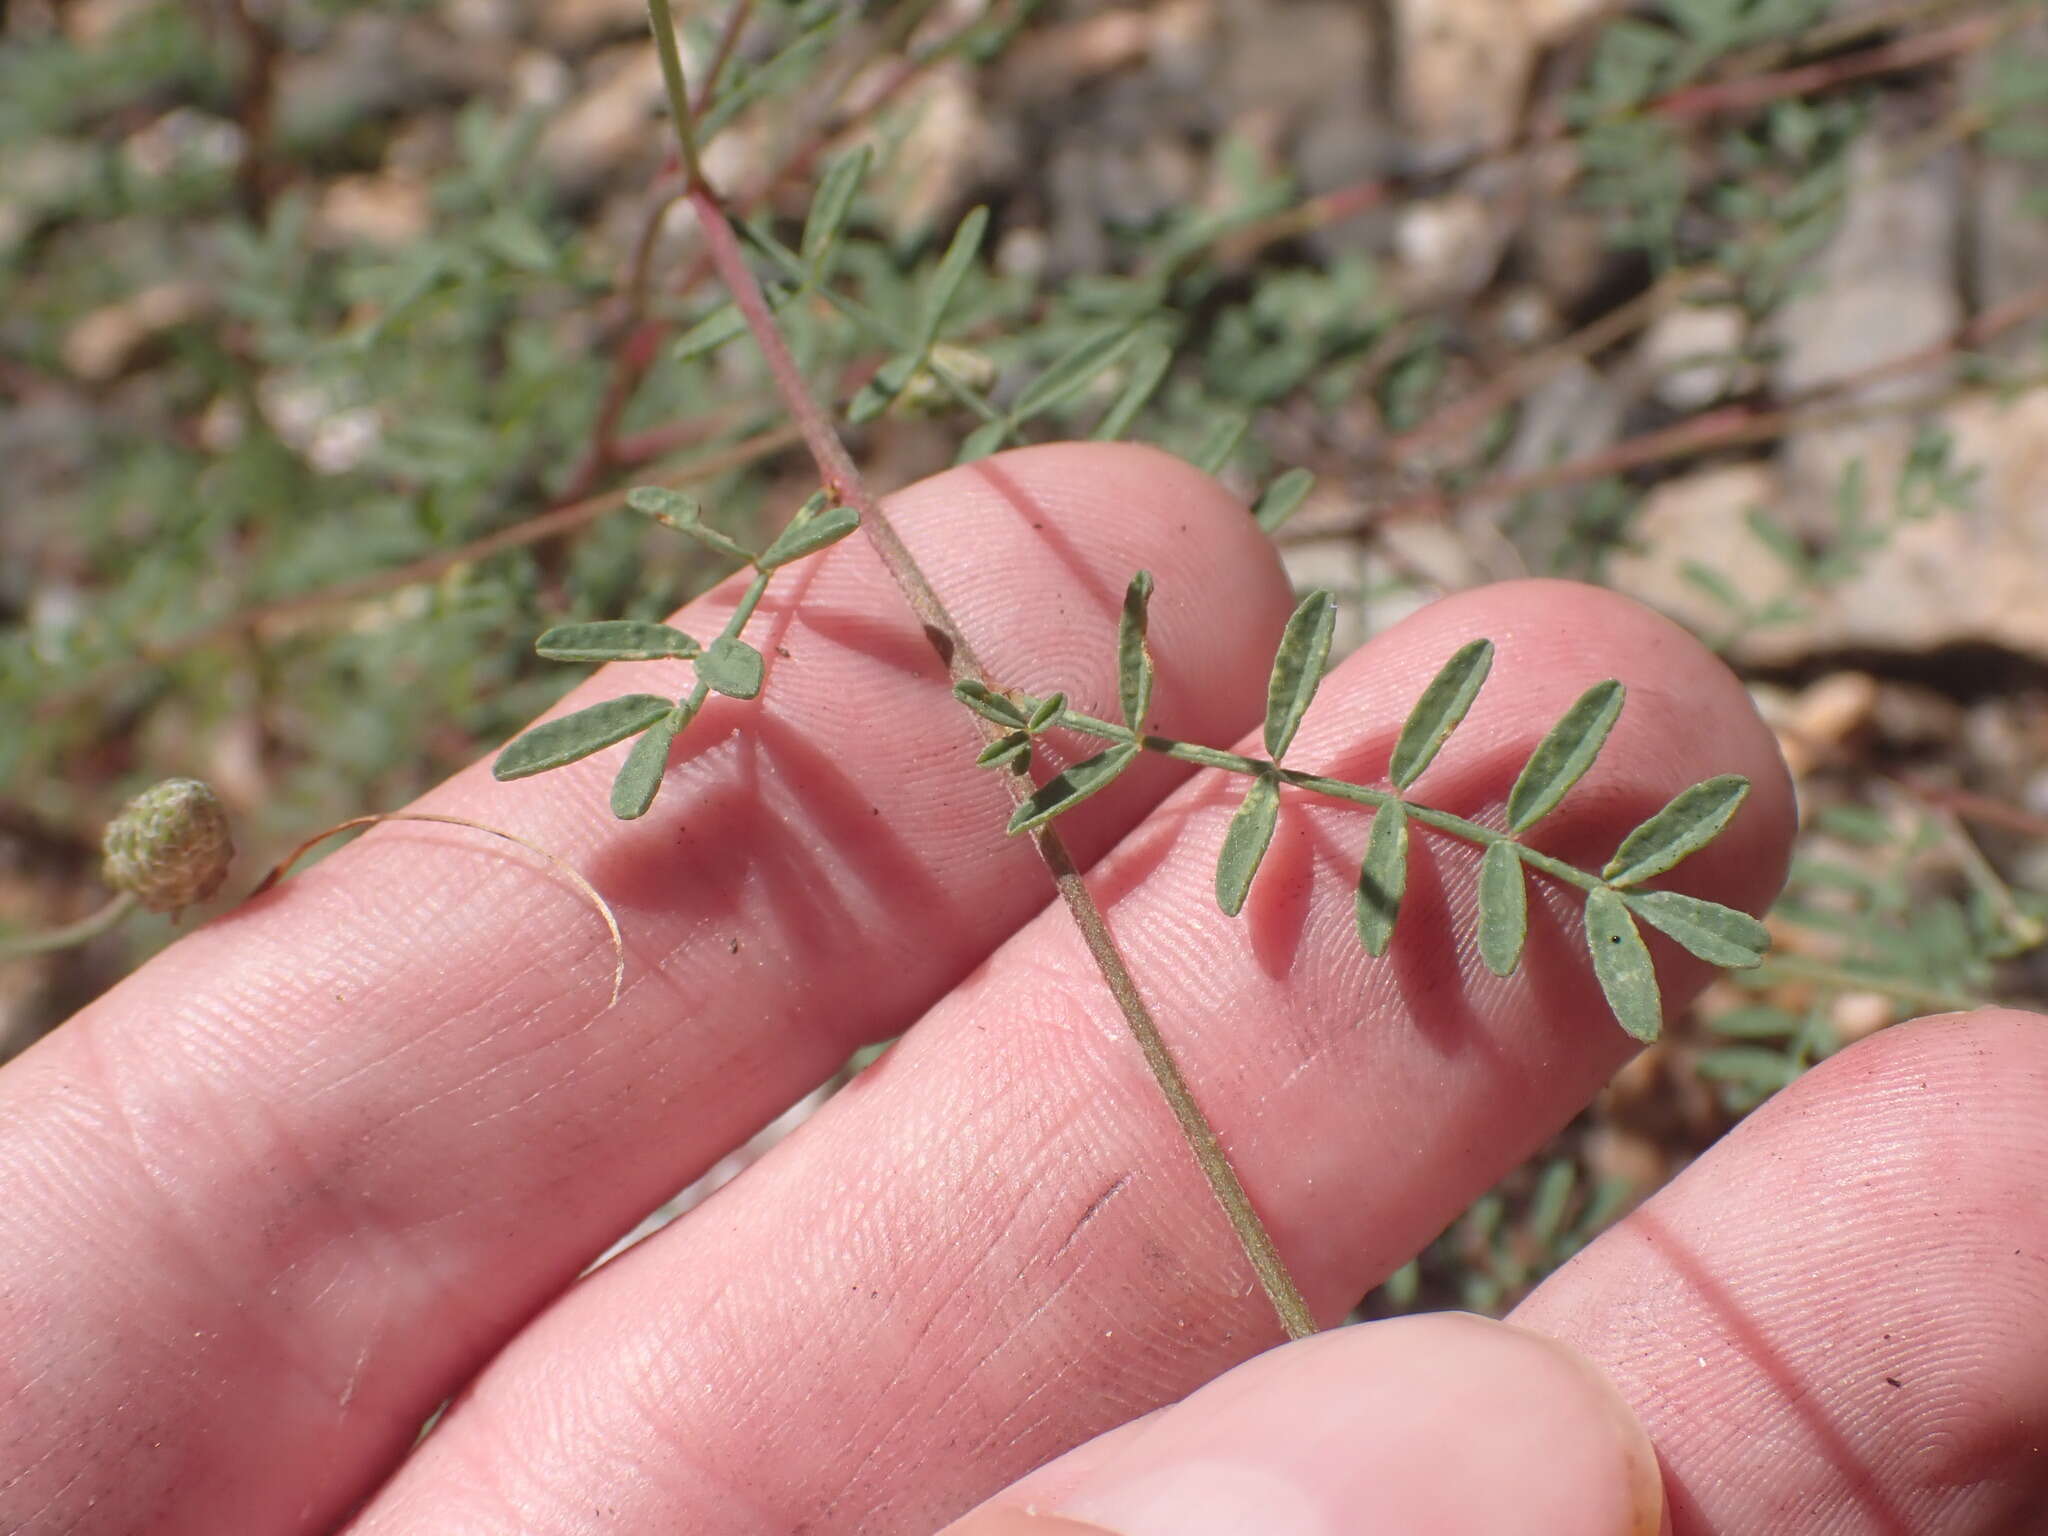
1503,909
614,640
1069,789
1133,659
1006,750
809,536
1282,498
987,703
1562,758
578,735
639,776
1718,935
1621,961
830,208
732,667
1693,818
1383,877
1437,713
1245,843
946,278
1298,669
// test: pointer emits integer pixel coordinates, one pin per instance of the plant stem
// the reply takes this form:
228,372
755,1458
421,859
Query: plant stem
91,926
1336,789
844,484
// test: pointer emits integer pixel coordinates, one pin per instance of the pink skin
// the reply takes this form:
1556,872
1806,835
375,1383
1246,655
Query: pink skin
289,1186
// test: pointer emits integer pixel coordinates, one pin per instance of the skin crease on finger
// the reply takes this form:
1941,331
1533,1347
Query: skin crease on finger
993,1246
1835,1323
283,1190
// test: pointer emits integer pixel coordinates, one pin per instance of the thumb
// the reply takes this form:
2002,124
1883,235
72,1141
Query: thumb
1445,1424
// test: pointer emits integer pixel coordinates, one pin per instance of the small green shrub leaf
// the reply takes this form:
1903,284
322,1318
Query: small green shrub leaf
1298,669
1383,877
672,508
639,776
1503,909
578,735
711,538
1245,843
829,210
987,703
722,325
1133,659
1062,793
1718,935
1562,758
1006,750
1074,370
809,536
1693,818
732,667
880,392
1282,498
614,640
1148,371
983,441
946,278
1437,713
1621,960
1048,711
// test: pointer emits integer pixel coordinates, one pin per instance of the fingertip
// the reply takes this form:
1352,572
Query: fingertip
1446,1423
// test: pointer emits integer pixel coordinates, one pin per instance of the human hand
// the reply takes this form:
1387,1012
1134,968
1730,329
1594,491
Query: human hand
346,1149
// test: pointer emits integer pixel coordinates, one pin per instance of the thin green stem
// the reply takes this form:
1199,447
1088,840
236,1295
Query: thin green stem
844,482
91,926
678,93
1336,789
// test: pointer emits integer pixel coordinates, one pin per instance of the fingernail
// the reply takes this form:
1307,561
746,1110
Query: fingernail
1448,1424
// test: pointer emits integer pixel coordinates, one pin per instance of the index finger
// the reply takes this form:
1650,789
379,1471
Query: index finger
277,1195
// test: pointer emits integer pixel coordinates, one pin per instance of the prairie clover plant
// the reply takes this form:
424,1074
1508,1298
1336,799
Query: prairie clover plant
1621,960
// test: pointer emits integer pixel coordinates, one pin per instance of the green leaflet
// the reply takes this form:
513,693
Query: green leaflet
987,703
1068,789
578,735
1282,498
723,324
732,667
1148,370
1133,660
1014,748
1383,877
1073,371
614,640
1621,960
1298,669
1503,909
664,505
829,209
982,441
1437,713
1718,935
946,278
880,392
1693,818
1562,758
639,776
1245,843
809,536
